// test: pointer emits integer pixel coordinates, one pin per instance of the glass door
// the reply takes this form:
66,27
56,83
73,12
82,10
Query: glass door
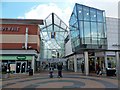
21,66
18,65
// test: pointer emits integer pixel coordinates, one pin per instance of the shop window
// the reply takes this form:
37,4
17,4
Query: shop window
111,62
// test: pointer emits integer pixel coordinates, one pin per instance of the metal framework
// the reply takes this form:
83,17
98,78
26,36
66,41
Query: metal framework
87,28
53,33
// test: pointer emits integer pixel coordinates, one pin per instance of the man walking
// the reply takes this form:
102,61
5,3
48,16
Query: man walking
82,67
59,67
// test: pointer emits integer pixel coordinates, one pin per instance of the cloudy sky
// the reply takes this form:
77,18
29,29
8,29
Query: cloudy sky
40,9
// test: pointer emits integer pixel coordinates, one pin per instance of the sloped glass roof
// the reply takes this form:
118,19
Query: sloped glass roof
53,33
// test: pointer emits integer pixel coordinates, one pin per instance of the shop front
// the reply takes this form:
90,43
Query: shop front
71,63
111,63
17,63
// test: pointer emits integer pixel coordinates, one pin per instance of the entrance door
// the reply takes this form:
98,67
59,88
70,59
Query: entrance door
18,66
79,62
21,66
92,64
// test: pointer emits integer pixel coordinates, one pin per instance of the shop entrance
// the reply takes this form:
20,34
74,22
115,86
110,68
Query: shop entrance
101,62
21,66
79,64
92,64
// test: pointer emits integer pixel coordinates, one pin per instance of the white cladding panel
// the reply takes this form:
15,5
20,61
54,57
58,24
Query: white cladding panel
68,48
112,33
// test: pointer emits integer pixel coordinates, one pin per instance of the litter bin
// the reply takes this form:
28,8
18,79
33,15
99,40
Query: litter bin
30,72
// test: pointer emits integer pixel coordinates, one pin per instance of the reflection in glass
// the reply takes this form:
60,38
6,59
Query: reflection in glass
87,32
99,16
94,32
86,13
93,16
80,12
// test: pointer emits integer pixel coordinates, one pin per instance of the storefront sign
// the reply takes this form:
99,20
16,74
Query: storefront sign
15,58
21,57
13,29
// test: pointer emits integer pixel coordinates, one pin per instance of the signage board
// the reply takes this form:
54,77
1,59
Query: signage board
21,57
15,29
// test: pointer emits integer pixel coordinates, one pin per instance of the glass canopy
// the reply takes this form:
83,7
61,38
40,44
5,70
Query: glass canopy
53,33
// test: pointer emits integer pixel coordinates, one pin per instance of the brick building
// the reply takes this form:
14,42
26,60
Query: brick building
20,43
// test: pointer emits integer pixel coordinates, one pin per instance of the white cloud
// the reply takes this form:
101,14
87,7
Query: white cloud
43,10
21,17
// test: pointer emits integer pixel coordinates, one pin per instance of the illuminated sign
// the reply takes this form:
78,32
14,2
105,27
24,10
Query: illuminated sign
16,29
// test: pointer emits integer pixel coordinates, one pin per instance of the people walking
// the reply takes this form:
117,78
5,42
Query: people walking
98,70
82,67
51,69
59,67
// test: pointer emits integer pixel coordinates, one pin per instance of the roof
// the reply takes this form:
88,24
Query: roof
21,21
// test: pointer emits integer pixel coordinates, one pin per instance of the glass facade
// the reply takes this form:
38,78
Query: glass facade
87,28
53,34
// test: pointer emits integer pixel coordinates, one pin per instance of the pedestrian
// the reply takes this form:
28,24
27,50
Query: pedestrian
51,69
59,67
99,72
82,67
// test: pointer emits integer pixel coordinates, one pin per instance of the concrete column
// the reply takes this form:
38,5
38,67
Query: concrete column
33,64
26,38
106,62
86,63
117,62
75,63
68,64
95,62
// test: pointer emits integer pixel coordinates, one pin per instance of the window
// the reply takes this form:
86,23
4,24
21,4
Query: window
73,19
99,16
100,30
86,13
87,32
80,12
94,32
81,29
93,16
111,62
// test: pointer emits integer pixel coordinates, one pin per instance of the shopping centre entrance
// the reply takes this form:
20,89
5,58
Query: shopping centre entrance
96,59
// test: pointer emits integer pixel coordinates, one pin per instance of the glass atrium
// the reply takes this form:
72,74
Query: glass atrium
53,33
87,28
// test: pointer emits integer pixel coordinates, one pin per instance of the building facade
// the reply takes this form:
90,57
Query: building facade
113,53
87,28
20,44
93,39
88,36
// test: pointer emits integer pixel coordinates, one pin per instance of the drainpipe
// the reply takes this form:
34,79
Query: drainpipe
26,38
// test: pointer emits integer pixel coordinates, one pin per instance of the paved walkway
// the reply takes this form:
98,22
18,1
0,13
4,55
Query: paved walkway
69,80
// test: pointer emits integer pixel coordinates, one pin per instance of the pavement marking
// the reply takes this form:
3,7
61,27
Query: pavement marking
70,81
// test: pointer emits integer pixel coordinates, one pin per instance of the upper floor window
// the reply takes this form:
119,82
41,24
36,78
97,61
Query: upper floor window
99,16
86,13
